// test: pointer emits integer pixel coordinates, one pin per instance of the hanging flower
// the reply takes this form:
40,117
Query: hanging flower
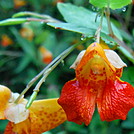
6,40
27,32
42,116
97,82
46,55
19,3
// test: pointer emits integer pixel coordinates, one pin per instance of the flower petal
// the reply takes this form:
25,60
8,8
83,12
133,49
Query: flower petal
119,72
19,128
44,115
114,59
94,67
5,95
115,100
9,128
16,113
78,102
78,59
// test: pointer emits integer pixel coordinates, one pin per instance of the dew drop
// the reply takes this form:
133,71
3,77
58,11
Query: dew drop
124,9
83,37
93,8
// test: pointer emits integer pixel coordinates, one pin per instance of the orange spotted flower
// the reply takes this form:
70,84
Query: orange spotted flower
42,116
97,82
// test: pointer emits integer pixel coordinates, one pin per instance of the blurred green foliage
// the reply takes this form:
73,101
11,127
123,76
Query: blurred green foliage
21,59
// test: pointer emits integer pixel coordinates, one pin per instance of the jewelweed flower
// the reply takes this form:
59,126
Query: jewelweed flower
46,55
97,82
27,32
19,3
6,40
42,116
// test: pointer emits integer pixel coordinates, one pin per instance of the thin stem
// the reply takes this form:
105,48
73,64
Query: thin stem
36,89
128,15
97,34
42,20
107,13
42,16
119,42
53,64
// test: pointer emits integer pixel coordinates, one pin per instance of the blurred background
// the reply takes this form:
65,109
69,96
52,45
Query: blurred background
27,48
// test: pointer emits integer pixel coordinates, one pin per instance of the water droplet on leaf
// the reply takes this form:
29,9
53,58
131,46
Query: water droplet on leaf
124,9
83,37
95,9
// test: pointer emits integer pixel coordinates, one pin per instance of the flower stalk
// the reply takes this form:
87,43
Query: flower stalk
107,13
45,72
97,34
44,17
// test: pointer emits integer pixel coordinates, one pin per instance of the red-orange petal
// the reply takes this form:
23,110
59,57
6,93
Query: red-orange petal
116,100
9,128
77,102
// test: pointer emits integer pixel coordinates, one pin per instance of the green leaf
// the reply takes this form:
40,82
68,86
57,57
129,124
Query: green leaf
25,60
27,46
89,32
3,124
80,16
131,73
74,28
82,21
126,53
14,21
114,4
129,122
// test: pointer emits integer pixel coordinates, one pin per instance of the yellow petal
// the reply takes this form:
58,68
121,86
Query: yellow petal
94,68
44,115
5,94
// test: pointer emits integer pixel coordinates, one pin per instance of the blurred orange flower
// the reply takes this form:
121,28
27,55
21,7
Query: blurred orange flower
27,33
46,55
42,116
19,3
6,40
